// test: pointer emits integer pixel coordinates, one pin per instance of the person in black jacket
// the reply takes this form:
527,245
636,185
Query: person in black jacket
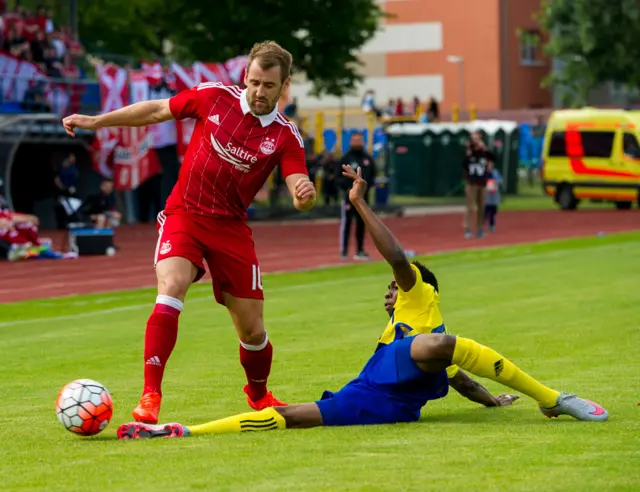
356,157
101,207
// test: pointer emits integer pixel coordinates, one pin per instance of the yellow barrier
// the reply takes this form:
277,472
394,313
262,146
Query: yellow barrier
319,139
316,122
338,121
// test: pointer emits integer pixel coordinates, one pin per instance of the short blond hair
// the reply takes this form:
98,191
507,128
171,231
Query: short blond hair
270,54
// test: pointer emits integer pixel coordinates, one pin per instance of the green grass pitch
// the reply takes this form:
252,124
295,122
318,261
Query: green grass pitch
566,312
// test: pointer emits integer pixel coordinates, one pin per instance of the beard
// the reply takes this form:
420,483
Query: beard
263,106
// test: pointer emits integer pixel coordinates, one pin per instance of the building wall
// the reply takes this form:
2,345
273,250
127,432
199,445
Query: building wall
523,81
408,56
470,30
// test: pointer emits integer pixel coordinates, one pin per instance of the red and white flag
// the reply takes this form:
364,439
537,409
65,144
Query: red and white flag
186,78
153,72
114,94
134,161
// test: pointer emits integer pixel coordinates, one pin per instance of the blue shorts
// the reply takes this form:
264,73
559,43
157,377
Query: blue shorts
390,389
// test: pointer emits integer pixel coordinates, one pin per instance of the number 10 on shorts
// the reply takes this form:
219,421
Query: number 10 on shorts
256,282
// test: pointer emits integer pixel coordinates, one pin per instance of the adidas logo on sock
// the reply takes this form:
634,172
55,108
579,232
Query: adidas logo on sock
154,361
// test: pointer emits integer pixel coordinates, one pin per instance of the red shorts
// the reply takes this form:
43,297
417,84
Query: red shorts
225,244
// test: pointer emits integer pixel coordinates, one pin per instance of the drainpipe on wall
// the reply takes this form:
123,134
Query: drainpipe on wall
504,55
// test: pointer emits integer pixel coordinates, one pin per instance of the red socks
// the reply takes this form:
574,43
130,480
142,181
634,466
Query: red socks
256,360
159,340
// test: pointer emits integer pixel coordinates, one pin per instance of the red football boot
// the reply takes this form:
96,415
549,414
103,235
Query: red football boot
148,409
266,401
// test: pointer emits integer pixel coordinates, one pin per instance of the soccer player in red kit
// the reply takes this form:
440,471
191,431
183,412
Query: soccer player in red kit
238,139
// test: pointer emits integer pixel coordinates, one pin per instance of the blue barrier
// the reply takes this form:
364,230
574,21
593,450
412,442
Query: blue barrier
91,95
530,148
330,138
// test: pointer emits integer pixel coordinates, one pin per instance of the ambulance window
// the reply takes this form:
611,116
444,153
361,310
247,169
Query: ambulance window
557,146
597,144
630,145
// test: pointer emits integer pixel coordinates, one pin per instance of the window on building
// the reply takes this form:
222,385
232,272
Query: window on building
530,48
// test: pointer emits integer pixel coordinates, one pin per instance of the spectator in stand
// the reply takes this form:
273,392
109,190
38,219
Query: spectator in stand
15,44
72,44
41,18
66,179
35,98
369,103
53,63
400,107
38,46
390,109
12,18
415,106
56,40
30,26
101,207
50,26
433,110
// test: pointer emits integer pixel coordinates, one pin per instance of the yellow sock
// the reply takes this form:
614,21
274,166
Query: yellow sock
267,419
487,363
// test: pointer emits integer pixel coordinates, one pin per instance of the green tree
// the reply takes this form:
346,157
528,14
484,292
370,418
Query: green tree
322,35
596,41
130,28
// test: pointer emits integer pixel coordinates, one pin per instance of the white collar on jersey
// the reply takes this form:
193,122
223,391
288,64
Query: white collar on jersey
265,119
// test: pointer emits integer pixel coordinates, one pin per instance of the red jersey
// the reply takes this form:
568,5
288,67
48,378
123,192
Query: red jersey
231,153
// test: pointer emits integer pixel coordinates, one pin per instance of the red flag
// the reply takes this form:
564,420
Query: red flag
134,161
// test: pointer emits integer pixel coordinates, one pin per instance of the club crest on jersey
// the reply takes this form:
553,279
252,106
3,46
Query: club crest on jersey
268,147
165,248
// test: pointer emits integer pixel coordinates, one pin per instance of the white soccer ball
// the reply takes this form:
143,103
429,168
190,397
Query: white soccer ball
84,407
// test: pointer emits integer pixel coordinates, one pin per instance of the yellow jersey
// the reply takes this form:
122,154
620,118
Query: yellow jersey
416,311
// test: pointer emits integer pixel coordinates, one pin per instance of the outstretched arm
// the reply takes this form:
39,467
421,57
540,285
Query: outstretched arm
139,114
475,392
385,241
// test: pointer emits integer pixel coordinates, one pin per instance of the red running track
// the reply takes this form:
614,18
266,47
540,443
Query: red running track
294,246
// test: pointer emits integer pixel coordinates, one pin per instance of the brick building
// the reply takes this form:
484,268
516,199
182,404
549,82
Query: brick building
414,54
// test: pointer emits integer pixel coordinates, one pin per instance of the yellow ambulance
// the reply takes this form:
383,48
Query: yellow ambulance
592,154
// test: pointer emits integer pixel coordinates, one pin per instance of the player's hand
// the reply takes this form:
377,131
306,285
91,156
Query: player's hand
79,121
359,186
304,194
506,400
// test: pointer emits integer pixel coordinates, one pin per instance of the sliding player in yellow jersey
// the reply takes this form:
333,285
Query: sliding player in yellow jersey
416,361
